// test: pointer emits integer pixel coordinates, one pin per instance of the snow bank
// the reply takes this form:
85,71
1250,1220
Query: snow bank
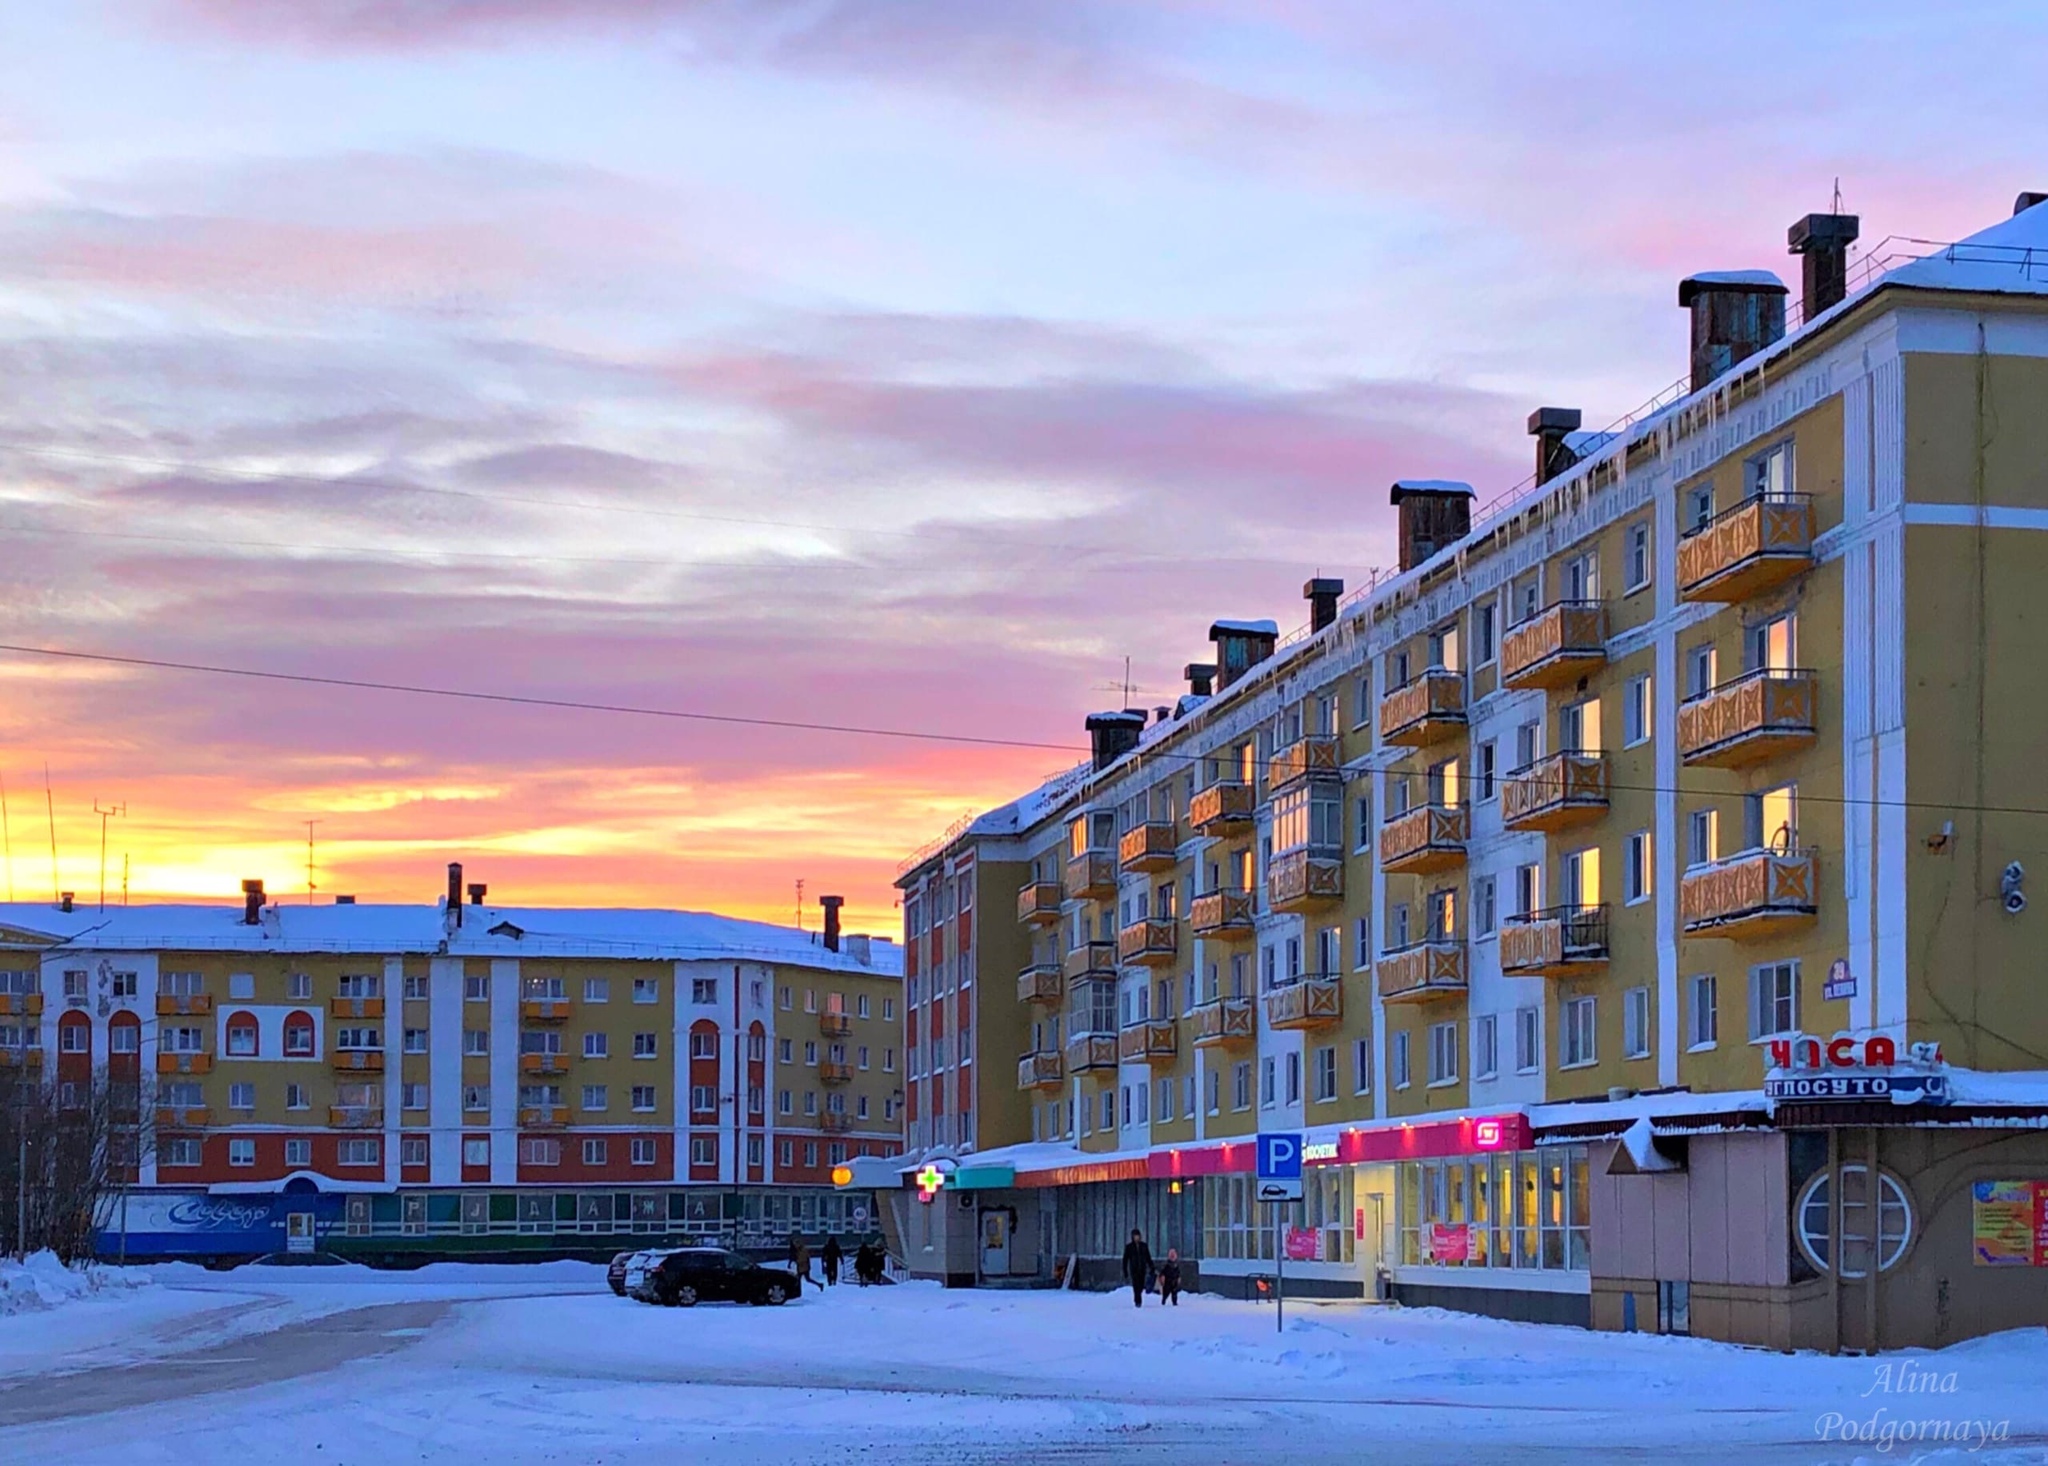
43,1283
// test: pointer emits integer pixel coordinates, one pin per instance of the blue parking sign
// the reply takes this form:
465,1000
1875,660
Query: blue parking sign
1279,1157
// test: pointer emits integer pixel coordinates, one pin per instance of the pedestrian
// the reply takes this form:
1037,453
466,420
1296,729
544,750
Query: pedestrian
860,1264
800,1262
831,1255
1169,1279
1137,1266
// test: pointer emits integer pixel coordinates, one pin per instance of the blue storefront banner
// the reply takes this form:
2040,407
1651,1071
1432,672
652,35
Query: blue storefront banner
196,1224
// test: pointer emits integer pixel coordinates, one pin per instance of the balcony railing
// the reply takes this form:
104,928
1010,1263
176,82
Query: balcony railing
1041,1071
835,1122
21,1005
1749,719
355,1117
1038,903
1305,880
1041,982
179,1005
543,1117
1430,837
1556,646
1308,1001
1744,551
1221,914
1147,943
543,1063
1091,877
183,1117
1221,807
355,1007
1424,709
546,1010
1559,941
1305,758
1147,847
1089,962
1153,1041
1754,894
1223,1021
830,1072
365,1061
1422,972
835,1023
1092,1051
1555,793
184,1063
23,1059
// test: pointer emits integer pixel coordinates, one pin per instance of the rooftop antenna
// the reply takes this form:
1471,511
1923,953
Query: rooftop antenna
124,878
310,887
7,839
105,814
50,808
1838,195
799,904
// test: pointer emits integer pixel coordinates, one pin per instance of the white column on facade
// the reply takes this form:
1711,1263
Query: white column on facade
1888,695
394,1061
1665,692
1859,769
144,966
444,1069
504,1032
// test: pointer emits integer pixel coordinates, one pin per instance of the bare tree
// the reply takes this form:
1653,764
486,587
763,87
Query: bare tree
67,1148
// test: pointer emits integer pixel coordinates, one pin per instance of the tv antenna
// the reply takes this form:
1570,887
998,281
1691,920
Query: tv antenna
799,904
7,839
310,887
106,812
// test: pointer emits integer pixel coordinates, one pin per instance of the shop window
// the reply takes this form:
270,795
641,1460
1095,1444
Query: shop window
1816,1221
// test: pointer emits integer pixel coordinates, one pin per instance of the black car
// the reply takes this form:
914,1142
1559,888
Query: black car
712,1274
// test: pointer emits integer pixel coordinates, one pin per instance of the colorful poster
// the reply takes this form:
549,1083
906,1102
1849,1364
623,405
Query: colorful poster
1840,982
1304,1244
1450,1242
2005,1226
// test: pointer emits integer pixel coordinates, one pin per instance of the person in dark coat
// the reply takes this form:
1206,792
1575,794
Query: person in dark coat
800,1261
1137,1266
831,1255
860,1264
1169,1279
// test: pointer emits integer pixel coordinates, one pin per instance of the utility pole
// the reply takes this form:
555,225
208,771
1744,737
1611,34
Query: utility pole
310,887
105,814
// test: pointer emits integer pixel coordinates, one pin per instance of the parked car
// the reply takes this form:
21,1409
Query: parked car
633,1274
692,1275
615,1275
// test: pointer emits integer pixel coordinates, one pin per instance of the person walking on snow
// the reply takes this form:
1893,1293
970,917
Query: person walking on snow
800,1262
1137,1266
1169,1279
831,1254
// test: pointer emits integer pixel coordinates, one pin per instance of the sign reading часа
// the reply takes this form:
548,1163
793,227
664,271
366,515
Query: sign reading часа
1849,1069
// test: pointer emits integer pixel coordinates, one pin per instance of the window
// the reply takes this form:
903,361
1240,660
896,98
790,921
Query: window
76,982
1639,876
1703,837
1400,1061
298,1152
241,1036
594,1149
1486,769
1483,633
1528,744
703,1045
1361,944
476,989
242,1096
476,1042
1704,1005
241,986
295,1097
596,1046
1773,1000
811,999
1773,818
1486,1046
643,1097
644,1046
1361,701
1817,1229
860,1006
358,985
1699,505
888,1010
1292,1067
181,1152
412,1150
597,990
1769,474
1635,1023
646,989
702,1102
782,998
125,985
1528,889
1485,907
74,1038
1636,711
181,1040
1443,1053
863,1057
1241,1085
1581,1017
783,1104
476,1097
126,1038
1268,1087
539,1150
703,991
1361,1066
412,1096
1324,1068
1637,546
298,1036
359,1151
643,1150
596,1096
415,1040
1700,666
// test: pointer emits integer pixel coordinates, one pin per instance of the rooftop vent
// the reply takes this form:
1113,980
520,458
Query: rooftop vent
1241,646
454,906
1735,314
1822,243
1112,735
1434,513
1322,595
252,903
344,900
1550,426
66,901
2027,201
477,891
1201,678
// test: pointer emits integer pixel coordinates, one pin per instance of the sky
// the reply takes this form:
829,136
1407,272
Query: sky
902,364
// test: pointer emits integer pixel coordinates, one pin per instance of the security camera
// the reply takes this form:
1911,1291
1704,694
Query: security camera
2010,884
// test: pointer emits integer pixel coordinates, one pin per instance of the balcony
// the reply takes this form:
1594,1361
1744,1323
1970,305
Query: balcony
355,1007
543,1063
1305,758
1555,793
1430,837
1422,972
834,1024
1041,1071
1092,1051
18,1060
546,1010
835,1122
183,1117
21,1005
1744,551
543,1117
1090,962
1224,1021
1555,647
1222,915
1754,717
183,1063
358,1061
1147,847
185,1005
1221,808
1091,877
1756,894
1038,903
1041,982
830,1072
1311,1000
1153,1041
1424,710
1147,943
355,1117
1562,941
1305,880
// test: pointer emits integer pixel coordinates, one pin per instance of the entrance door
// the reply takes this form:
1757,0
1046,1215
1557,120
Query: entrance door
298,1231
995,1244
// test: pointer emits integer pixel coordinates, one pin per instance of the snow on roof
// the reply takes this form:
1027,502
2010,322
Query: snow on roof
2009,258
1751,278
1646,1106
2020,1087
1245,628
1431,486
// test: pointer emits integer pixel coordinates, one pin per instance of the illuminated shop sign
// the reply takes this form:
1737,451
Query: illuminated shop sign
1848,1069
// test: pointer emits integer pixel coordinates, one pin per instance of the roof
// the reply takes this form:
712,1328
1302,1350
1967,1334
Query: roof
1754,281
1407,486
2009,258
486,931
1244,628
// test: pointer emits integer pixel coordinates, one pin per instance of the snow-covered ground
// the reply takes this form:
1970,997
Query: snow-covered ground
543,1364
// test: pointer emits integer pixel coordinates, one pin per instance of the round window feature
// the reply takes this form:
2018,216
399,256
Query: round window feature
1815,1222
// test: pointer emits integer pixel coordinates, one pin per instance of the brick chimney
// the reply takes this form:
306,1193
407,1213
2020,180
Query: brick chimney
453,910
1822,243
831,905
1201,678
1112,735
1241,646
1434,513
252,903
1735,314
1549,426
1322,595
